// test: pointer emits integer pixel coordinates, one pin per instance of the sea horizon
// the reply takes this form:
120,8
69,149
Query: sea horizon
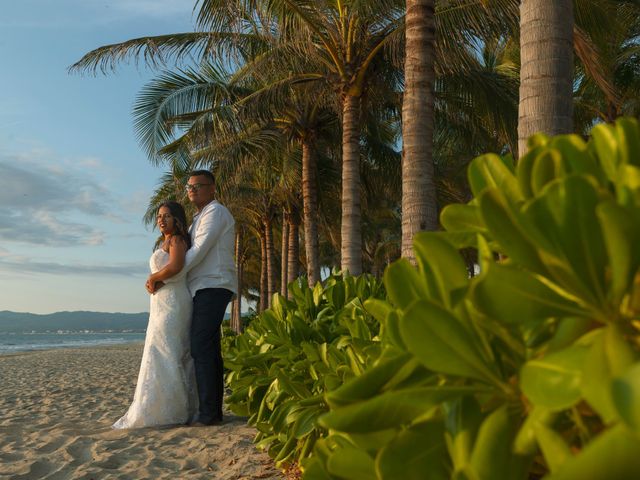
22,331
14,342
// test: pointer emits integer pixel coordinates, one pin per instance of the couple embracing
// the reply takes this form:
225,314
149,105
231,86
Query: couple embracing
192,282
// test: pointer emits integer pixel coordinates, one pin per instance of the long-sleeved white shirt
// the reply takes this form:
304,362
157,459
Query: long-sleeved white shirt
210,260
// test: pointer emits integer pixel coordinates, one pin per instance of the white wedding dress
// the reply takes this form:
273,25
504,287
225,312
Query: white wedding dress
166,391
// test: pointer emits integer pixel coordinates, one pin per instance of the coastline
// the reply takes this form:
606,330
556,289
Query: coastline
4,354
20,353
11,342
56,411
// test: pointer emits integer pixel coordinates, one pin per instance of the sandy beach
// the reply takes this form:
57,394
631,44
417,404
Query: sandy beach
56,409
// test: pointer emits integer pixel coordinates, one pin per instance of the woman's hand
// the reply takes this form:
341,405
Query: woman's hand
152,285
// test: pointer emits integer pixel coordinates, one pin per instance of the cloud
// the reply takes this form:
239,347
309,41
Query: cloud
25,183
43,228
91,163
19,264
41,202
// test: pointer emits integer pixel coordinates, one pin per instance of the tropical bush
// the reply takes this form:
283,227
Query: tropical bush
529,369
293,353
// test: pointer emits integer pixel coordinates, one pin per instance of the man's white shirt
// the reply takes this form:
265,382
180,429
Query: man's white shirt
210,260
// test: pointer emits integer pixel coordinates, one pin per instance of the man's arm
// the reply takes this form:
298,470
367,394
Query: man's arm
213,223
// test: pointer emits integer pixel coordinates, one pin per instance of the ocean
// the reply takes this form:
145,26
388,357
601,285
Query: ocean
11,342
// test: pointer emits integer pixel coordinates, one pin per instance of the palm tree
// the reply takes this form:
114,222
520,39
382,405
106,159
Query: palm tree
331,43
419,208
241,258
284,247
608,76
308,125
546,69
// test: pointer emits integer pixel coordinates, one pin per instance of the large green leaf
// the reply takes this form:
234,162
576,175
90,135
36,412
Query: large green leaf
443,344
368,384
441,266
492,458
491,171
612,455
567,229
306,421
313,470
549,165
576,154
390,409
417,453
554,381
379,309
372,441
621,232
466,218
351,463
404,285
606,146
628,133
609,356
628,187
555,450
463,418
524,170
525,442
626,397
506,228
512,295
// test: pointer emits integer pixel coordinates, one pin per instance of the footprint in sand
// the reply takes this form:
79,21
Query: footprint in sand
38,469
9,457
53,445
108,462
80,450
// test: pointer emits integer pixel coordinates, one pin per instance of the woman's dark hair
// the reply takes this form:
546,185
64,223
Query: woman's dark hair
180,220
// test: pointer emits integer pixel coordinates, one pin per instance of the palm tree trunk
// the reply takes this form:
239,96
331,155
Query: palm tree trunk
310,211
351,228
419,203
271,260
546,69
236,314
284,252
294,248
263,273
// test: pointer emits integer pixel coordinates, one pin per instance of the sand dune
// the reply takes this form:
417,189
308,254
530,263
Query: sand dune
56,409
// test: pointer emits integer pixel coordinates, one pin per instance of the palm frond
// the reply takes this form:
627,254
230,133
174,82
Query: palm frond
179,48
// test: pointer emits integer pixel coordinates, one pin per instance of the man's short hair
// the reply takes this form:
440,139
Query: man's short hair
204,173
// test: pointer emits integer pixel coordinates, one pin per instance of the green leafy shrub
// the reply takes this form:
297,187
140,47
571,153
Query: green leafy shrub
291,354
529,369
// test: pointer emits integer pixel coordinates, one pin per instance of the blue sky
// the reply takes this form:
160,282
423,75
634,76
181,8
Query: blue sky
74,183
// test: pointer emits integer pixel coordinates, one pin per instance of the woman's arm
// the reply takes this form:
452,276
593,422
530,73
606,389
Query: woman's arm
177,251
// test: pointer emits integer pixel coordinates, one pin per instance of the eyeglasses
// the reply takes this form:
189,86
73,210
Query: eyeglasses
194,187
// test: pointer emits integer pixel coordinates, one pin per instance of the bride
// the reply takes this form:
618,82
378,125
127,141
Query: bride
166,393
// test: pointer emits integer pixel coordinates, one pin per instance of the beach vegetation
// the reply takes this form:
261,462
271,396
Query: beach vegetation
526,370
293,353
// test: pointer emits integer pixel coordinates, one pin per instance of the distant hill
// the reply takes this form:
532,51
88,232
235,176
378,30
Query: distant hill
95,321
73,321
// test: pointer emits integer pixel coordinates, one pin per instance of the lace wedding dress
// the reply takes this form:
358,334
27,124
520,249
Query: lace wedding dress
165,393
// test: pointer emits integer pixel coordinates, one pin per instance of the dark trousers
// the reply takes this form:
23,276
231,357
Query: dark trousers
209,306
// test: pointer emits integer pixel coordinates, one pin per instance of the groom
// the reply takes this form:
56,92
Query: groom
212,282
